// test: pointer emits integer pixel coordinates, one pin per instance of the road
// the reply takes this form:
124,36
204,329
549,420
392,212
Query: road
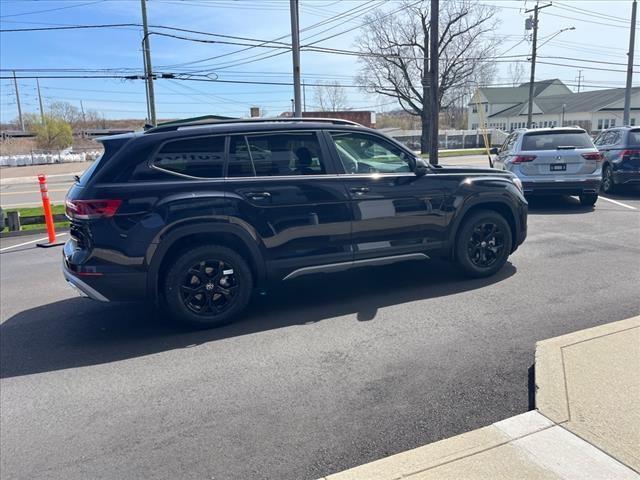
323,374
28,194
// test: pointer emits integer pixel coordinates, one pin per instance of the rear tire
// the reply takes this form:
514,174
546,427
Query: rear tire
589,199
208,286
608,185
483,243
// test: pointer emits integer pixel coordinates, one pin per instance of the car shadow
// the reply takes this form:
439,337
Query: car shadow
78,332
556,205
624,192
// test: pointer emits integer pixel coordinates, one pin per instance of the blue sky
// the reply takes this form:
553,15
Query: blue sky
601,35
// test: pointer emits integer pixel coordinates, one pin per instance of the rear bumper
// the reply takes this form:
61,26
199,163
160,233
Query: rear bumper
102,282
560,187
623,177
83,289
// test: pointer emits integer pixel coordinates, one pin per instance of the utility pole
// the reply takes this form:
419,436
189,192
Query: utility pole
534,47
434,36
151,100
84,118
295,49
304,96
580,77
627,94
40,101
15,84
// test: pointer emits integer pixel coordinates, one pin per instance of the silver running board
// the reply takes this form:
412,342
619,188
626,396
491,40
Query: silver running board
338,267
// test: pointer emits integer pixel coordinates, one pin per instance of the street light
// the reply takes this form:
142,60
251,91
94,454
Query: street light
556,34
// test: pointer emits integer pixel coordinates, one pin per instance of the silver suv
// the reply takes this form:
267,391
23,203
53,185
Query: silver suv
552,161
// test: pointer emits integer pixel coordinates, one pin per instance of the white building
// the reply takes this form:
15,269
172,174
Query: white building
553,105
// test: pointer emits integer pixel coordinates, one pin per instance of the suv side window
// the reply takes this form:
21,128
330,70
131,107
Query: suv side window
201,157
364,153
510,142
275,154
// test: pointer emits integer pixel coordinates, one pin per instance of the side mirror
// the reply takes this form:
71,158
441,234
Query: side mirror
420,168
493,150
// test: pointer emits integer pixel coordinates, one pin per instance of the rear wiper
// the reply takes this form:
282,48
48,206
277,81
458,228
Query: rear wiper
566,147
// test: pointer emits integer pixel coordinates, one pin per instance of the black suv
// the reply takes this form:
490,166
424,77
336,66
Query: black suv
196,217
620,149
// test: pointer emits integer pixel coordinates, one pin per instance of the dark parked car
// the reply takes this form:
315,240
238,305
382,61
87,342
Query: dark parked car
620,148
197,217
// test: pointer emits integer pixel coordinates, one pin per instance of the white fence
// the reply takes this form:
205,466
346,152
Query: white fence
43,158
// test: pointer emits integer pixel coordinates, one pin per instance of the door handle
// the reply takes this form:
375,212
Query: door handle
258,195
359,190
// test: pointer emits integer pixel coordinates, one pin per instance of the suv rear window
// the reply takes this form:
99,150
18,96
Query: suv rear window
634,138
201,157
555,140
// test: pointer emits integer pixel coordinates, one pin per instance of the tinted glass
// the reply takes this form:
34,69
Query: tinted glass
278,154
634,138
362,153
197,157
240,164
553,140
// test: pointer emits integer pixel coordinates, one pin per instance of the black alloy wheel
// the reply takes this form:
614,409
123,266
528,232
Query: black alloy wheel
485,244
209,287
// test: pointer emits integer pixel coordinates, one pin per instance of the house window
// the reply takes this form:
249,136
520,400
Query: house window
474,126
474,108
599,124
613,122
633,121
486,107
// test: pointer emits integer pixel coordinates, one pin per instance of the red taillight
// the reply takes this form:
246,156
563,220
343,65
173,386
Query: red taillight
597,156
91,209
627,154
524,158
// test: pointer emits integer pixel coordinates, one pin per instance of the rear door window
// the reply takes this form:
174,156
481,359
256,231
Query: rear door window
201,157
556,140
276,154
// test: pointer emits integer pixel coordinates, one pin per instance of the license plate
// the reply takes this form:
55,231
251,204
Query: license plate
558,167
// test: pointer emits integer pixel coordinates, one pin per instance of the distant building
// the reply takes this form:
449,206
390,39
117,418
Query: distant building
506,108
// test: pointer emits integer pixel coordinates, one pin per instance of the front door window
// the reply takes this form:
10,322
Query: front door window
363,153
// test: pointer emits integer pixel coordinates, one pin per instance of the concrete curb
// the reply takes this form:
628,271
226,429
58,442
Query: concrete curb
538,444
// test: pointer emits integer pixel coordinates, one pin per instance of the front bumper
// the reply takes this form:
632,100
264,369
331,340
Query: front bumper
561,187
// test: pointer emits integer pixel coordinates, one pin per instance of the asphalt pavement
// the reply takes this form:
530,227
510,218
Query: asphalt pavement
323,374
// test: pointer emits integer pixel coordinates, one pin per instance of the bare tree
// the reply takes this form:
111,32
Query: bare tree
395,55
516,73
330,96
66,112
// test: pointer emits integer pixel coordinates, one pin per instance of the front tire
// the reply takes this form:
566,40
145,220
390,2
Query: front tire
208,286
588,199
483,243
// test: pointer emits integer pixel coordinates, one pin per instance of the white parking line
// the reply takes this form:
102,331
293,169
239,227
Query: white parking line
29,242
617,203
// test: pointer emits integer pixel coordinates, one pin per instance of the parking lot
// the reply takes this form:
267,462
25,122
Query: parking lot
322,374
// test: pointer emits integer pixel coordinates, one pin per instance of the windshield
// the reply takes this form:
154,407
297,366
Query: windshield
556,140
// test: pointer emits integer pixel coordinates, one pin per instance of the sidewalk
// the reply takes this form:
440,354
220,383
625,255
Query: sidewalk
586,426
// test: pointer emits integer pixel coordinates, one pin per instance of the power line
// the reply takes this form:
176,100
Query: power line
51,9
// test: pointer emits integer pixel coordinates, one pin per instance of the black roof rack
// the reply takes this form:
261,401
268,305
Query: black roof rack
191,123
